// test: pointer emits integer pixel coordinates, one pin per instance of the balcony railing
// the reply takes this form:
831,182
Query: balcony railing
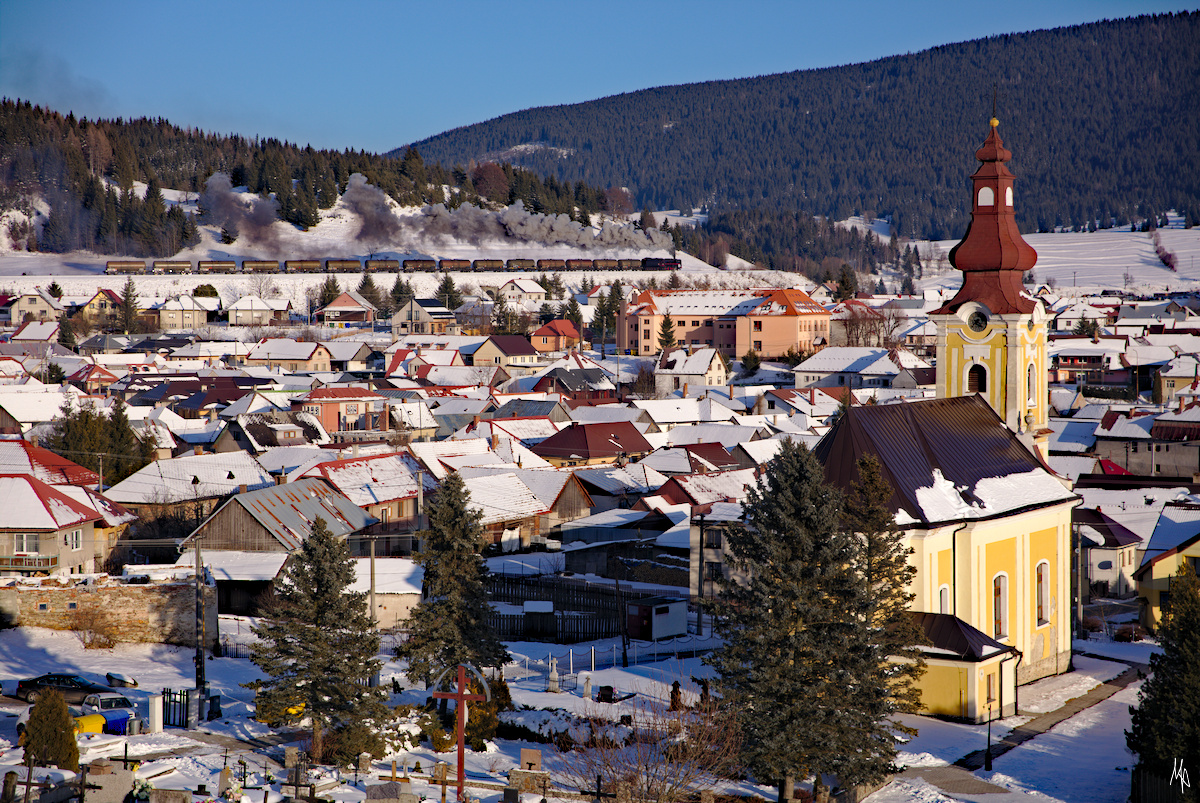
28,563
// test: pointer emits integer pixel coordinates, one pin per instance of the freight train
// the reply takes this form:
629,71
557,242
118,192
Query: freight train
205,266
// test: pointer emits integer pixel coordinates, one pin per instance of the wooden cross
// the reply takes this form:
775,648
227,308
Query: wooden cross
394,776
460,697
599,791
440,776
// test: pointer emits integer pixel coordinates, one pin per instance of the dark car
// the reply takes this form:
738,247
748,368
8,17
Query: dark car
72,687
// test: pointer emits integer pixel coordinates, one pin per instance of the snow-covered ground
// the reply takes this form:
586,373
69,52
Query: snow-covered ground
1083,760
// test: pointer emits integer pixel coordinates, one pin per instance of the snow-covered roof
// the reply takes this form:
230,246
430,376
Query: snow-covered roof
191,477
30,504
680,362
503,497
228,564
280,348
1178,522
392,576
374,480
1069,435
113,515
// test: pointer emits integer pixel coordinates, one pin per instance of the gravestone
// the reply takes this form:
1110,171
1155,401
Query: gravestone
531,760
170,796
388,790
291,756
107,783
605,694
587,687
552,680
531,781
364,762
224,781
512,794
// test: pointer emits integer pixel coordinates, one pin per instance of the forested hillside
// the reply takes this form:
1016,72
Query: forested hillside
86,170
1102,120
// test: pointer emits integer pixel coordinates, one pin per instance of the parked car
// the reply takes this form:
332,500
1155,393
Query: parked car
72,687
116,709
84,722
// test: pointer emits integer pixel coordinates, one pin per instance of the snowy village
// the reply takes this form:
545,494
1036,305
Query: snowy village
350,477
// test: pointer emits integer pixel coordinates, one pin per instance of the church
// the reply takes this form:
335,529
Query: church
989,524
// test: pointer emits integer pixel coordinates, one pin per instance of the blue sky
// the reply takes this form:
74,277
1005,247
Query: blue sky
377,75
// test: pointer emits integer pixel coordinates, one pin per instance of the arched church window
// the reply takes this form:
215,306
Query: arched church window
1008,196
1031,377
987,197
977,379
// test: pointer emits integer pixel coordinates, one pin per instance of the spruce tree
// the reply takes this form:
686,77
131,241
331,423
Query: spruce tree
50,733
1165,727
571,312
127,313
447,294
66,333
751,362
402,292
368,290
330,290
666,333
794,655
449,626
317,644
887,574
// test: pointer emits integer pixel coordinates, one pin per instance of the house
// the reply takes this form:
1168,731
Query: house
513,353
1176,540
856,367
593,444
250,310
351,355
35,332
348,307
579,384
424,316
676,369
391,488
279,518
510,512
44,531
412,417
699,490
551,408
619,487
108,529
558,335
1112,553
518,290
37,305
101,309
557,488
268,429
190,486
182,312
279,353
341,409
768,321
92,379
24,457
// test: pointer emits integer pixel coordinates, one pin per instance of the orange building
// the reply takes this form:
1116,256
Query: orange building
768,321
342,409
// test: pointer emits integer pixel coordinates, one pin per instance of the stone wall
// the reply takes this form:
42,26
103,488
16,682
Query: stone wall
157,612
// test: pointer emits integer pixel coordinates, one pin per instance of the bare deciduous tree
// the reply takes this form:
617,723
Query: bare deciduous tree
664,755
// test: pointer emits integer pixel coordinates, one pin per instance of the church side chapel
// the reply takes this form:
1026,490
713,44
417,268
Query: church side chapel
988,523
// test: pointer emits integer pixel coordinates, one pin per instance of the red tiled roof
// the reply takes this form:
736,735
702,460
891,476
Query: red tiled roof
560,328
337,393
593,441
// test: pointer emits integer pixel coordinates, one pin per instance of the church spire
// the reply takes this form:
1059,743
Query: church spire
992,255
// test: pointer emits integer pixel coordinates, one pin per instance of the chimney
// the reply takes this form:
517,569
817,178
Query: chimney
1181,402
474,421
242,488
685,389
212,414
33,441
197,449
281,478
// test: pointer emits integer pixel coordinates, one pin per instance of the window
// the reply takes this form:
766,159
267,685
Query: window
758,345
695,323
1008,196
977,379
43,606
944,599
987,196
26,543
758,326
1032,382
712,539
1000,606
351,409
991,687
74,539
72,606
645,334
712,570
1043,591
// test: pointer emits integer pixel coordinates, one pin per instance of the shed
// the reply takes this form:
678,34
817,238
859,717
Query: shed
655,618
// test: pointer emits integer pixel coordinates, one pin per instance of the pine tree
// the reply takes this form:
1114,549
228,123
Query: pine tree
794,630
666,333
448,294
674,283
127,450
1165,728
330,290
449,625
50,733
54,290
127,313
571,312
317,644
847,283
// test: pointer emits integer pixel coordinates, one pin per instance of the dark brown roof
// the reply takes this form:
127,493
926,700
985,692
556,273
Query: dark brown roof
1114,533
945,631
961,437
593,441
512,345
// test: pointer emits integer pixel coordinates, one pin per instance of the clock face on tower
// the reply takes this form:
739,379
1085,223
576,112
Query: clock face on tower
977,321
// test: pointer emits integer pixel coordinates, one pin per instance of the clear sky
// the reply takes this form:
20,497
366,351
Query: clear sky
379,74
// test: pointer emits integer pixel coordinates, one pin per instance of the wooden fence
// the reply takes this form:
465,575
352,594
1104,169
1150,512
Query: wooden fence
557,628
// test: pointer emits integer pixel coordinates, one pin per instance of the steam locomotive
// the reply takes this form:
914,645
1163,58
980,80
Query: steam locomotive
206,266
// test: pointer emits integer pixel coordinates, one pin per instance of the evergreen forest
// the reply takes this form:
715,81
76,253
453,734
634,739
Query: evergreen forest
1101,119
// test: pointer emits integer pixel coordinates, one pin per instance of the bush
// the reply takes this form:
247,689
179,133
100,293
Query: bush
1093,624
432,730
50,734
1129,633
344,744
94,628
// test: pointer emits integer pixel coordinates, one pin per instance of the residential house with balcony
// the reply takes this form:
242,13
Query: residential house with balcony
43,530
424,316
343,409
348,307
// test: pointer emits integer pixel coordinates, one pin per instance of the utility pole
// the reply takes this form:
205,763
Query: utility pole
372,595
201,682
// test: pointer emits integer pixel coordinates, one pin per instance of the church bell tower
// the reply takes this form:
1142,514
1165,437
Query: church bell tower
991,337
